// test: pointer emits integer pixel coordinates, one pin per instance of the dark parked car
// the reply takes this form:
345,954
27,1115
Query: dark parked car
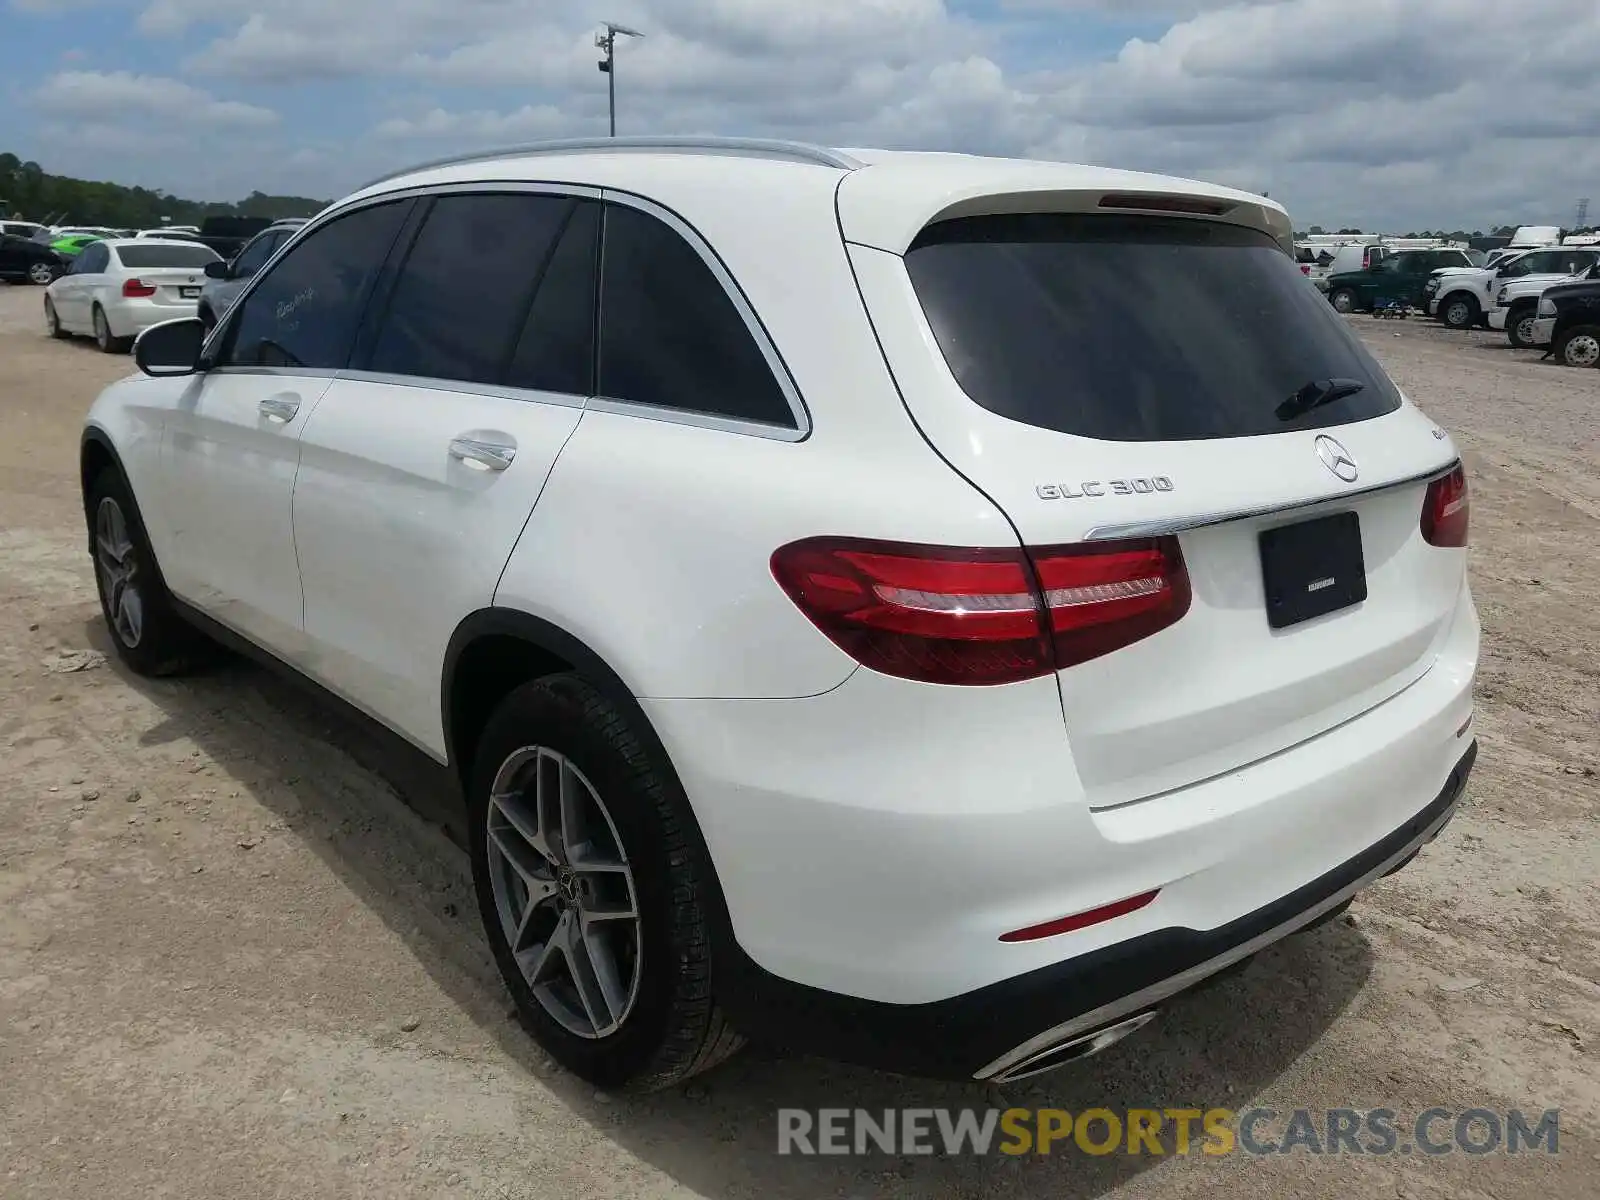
1399,277
1569,316
23,260
228,235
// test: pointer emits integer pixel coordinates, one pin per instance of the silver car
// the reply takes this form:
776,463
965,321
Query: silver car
225,280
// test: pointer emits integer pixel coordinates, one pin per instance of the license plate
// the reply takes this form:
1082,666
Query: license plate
1312,568
189,293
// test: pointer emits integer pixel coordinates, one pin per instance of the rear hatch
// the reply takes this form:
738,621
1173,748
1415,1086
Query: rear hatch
165,272
1170,381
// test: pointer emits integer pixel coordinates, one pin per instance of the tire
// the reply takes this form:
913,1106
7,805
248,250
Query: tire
659,1023
41,273
52,322
149,635
1343,300
102,335
1516,320
1459,311
1578,346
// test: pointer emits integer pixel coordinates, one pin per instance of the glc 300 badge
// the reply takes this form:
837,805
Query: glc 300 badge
1103,487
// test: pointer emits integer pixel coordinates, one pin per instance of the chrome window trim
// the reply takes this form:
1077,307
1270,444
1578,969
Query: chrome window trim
429,383
328,215
1170,525
283,372
799,431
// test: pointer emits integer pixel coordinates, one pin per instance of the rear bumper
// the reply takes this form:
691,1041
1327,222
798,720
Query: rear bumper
130,316
988,1032
1497,318
874,842
1544,331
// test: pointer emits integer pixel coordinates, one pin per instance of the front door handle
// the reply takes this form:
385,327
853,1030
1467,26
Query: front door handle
489,456
281,407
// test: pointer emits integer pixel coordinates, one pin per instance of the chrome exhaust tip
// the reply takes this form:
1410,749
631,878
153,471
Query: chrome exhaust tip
1072,1050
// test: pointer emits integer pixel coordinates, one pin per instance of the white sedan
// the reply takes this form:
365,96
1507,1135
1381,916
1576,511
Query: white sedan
119,287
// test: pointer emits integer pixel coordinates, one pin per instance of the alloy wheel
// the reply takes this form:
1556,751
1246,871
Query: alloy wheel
564,892
1524,329
41,273
117,570
1458,315
1583,350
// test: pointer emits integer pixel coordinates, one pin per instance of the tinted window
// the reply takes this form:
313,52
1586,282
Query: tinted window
93,259
1136,328
254,256
463,294
167,254
669,333
556,350
1528,264
305,311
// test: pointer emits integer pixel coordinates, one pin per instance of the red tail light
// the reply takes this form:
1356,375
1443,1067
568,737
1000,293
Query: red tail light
1445,509
1305,268
946,614
137,287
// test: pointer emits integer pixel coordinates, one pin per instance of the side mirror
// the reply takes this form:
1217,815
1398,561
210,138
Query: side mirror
170,348
217,270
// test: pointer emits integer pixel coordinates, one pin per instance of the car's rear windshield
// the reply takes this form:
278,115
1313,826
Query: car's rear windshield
1139,328
160,253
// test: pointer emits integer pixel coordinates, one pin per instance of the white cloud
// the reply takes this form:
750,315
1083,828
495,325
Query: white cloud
115,96
1414,113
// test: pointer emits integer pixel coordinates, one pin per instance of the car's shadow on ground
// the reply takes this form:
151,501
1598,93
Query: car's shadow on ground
1215,1048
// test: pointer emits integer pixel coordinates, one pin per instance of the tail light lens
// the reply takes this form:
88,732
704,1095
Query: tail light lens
137,288
946,614
1305,268
1444,510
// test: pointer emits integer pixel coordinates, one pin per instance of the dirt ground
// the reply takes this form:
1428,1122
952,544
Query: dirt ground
239,956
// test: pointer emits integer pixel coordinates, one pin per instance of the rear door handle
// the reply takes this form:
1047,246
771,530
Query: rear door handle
491,456
281,407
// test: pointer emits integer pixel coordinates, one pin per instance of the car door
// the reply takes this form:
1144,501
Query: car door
89,283
420,466
231,446
13,259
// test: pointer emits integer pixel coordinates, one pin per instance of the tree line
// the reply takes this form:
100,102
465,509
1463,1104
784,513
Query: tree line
29,193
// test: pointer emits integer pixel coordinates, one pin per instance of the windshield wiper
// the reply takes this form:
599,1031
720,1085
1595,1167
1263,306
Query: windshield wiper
1315,394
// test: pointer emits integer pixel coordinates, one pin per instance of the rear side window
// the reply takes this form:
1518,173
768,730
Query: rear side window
167,254
305,311
464,293
670,335
1137,328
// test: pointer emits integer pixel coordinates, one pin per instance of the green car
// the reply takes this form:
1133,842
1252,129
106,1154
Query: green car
1397,277
70,247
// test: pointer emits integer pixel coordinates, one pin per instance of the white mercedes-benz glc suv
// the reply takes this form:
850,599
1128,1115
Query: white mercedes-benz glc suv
922,609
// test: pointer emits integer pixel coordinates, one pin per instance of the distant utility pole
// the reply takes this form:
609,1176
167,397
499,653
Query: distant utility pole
1583,213
606,40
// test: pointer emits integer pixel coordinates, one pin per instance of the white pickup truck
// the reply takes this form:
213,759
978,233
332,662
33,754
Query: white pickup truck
1464,297
1516,303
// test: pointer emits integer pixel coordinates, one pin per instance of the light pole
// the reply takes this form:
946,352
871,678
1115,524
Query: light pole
606,40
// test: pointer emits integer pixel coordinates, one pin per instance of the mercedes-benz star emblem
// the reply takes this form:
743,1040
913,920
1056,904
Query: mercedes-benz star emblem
1336,458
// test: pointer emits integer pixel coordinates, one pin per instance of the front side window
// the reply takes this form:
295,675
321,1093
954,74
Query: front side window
462,297
670,335
1136,329
305,311
254,256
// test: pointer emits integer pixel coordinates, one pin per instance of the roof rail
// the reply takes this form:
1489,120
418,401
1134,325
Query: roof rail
802,152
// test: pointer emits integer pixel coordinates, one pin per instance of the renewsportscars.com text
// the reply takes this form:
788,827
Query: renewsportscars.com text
1166,1131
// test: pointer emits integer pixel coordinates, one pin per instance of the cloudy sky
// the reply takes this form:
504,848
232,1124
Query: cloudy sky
1380,113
